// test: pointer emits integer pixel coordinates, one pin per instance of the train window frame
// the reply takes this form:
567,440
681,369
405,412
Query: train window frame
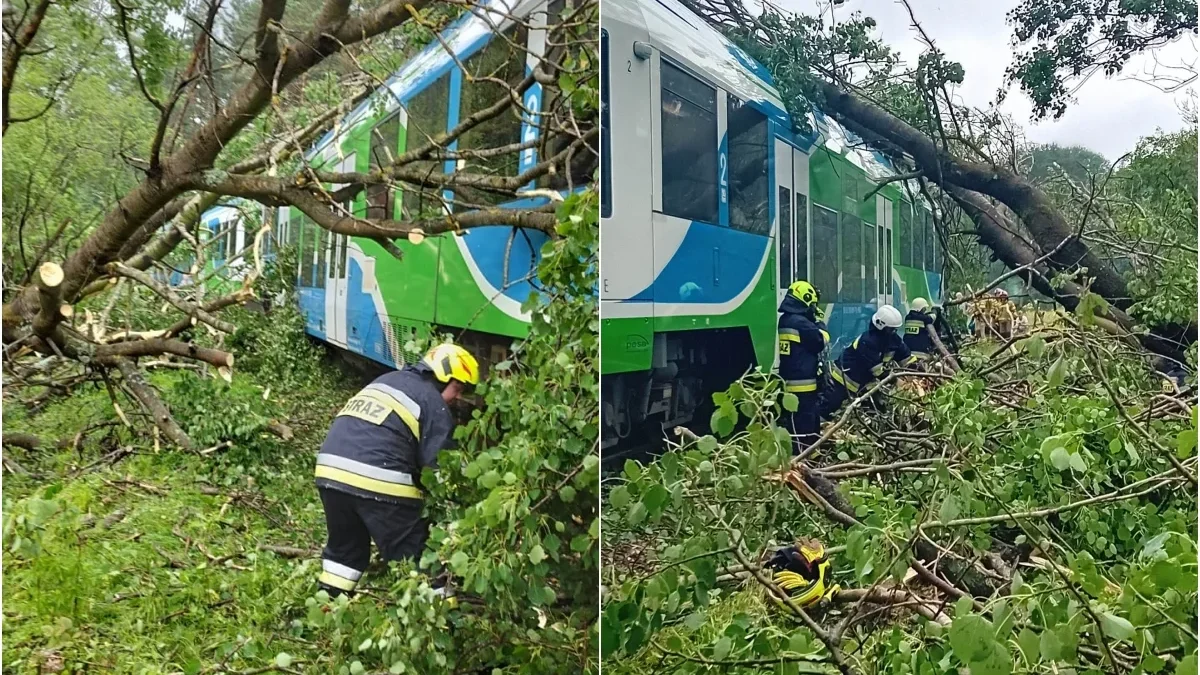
870,260
852,224
932,245
785,237
826,278
750,201
919,237
606,205
676,202
376,140
800,236
322,256
506,126
418,129
905,238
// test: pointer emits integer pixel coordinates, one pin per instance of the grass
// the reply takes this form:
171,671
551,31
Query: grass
153,564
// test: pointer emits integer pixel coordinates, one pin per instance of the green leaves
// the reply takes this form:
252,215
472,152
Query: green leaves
1056,374
1116,627
973,640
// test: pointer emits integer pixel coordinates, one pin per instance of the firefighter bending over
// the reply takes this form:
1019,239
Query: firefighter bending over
802,338
369,467
864,360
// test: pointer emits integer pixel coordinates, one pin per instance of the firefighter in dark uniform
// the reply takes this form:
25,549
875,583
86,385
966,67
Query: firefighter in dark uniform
369,467
864,360
916,337
802,339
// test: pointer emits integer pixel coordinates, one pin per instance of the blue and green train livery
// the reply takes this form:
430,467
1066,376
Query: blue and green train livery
360,298
711,205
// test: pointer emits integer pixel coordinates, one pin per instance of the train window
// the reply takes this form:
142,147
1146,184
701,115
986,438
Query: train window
749,191
920,224
932,248
906,228
870,252
322,256
849,194
825,252
801,250
885,269
504,61
852,259
886,274
307,251
384,138
785,237
689,146
426,118
343,265
605,130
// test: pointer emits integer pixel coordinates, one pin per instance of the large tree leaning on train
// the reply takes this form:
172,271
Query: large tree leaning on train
195,156
910,116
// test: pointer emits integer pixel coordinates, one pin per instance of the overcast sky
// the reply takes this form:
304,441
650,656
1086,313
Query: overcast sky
1108,116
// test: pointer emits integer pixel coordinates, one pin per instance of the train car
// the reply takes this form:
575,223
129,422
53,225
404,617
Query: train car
358,297
712,204
227,232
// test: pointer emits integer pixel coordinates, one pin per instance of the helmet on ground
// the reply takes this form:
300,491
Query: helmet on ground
887,317
451,362
920,304
812,549
806,293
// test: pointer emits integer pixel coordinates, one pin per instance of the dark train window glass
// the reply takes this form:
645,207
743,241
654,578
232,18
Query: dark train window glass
383,144
852,258
885,270
870,249
689,146
886,275
801,250
849,194
785,237
749,192
322,246
920,224
307,251
427,113
500,60
905,234
825,252
931,247
605,130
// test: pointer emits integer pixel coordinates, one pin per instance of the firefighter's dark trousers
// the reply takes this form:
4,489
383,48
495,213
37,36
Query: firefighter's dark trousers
805,423
832,398
352,522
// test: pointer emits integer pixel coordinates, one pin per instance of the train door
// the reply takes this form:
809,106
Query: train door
791,236
336,278
883,248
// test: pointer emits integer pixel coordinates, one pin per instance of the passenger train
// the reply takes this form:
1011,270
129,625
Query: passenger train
712,204
358,297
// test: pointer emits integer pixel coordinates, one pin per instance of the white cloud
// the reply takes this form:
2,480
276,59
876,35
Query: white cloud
1109,115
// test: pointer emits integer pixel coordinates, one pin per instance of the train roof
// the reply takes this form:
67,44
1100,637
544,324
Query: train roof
463,37
685,37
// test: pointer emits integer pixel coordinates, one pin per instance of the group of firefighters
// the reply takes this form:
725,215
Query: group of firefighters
368,469
803,339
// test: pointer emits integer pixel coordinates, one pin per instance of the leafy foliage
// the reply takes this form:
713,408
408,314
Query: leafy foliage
1068,40
997,466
